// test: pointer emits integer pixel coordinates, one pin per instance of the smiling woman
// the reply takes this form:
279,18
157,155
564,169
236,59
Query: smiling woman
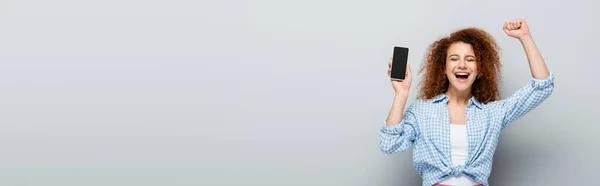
463,52
456,123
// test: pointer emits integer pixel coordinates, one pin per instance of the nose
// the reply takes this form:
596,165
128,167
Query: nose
462,65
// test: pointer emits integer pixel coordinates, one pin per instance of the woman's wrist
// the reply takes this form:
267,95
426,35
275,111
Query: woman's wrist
402,94
525,38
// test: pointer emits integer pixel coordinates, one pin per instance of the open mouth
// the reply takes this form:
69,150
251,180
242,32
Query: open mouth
461,75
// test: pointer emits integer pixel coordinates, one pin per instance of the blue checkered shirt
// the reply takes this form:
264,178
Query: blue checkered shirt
426,125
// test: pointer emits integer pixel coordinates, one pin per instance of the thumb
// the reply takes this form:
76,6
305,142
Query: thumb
505,27
408,71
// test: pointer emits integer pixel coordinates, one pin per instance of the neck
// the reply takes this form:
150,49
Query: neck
458,97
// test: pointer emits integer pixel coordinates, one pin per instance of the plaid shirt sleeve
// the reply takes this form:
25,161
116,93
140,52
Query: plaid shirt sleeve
400,137
526,99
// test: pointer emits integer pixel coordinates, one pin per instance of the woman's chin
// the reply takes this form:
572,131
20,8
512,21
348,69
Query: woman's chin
460,87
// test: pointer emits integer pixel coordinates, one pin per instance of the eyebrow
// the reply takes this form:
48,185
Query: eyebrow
457,55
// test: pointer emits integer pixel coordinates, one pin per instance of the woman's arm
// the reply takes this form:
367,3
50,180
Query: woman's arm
400,129
401,135
401,89
539,88
520,30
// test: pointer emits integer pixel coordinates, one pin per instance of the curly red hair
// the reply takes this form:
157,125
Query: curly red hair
485,88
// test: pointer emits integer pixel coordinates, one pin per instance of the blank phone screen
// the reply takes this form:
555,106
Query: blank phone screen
399,61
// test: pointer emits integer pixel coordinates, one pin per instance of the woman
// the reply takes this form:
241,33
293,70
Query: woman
457,120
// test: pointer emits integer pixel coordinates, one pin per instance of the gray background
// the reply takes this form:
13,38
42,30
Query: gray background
132,92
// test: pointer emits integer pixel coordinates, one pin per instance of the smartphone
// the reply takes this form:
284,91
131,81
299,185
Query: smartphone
399,61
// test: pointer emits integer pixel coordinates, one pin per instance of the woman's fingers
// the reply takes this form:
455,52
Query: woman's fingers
512,25
408,72
389,67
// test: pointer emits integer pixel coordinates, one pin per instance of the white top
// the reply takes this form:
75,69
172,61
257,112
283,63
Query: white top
459,153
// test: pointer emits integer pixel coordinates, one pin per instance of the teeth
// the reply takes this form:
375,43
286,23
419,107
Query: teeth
462,73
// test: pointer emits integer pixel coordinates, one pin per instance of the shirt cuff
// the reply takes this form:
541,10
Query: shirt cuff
391,129
543,83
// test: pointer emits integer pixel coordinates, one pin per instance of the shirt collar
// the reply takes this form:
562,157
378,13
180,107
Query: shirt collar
444,99
441,97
